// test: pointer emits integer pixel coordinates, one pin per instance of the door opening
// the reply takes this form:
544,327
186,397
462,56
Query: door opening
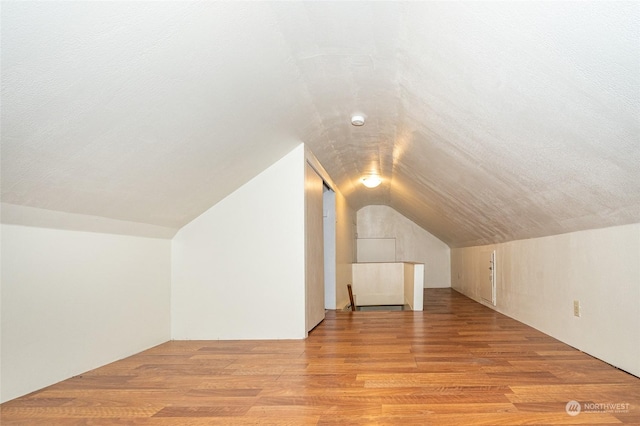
329,229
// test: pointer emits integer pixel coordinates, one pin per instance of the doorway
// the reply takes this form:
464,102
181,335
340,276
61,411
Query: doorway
329,229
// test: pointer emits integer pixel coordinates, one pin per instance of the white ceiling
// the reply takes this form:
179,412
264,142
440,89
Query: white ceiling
488,121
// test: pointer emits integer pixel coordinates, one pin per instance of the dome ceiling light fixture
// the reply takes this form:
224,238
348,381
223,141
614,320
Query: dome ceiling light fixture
357,120
371,181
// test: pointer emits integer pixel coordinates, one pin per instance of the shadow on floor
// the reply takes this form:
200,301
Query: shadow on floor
380,308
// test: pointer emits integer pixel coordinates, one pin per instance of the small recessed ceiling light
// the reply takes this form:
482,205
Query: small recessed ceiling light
357,120
371,181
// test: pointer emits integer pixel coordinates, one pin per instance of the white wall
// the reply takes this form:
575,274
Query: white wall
73,301
538,280
413,243
238,269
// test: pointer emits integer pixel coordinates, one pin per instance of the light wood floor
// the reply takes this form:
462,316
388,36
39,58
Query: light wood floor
456,363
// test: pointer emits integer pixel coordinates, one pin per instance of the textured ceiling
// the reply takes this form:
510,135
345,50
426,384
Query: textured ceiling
488,121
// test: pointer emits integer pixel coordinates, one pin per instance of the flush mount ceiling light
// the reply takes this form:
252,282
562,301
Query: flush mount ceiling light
371,181
357,120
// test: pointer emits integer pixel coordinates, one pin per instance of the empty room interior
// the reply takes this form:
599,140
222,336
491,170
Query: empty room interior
191,190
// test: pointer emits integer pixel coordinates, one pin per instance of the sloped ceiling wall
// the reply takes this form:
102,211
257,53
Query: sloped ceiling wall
487,121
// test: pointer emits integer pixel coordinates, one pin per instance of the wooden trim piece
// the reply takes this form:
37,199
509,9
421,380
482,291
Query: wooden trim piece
353,304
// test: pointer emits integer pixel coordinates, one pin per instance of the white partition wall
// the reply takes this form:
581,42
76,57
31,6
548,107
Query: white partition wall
239,269
74,300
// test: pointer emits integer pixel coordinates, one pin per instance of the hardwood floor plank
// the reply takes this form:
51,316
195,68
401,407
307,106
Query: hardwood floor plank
208,411
78,412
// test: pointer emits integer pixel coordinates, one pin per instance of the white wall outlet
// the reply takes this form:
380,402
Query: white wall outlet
576,308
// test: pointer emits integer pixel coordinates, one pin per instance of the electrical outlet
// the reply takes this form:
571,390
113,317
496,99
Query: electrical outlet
576,308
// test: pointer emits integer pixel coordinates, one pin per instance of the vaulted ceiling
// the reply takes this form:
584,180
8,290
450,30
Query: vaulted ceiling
487,121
